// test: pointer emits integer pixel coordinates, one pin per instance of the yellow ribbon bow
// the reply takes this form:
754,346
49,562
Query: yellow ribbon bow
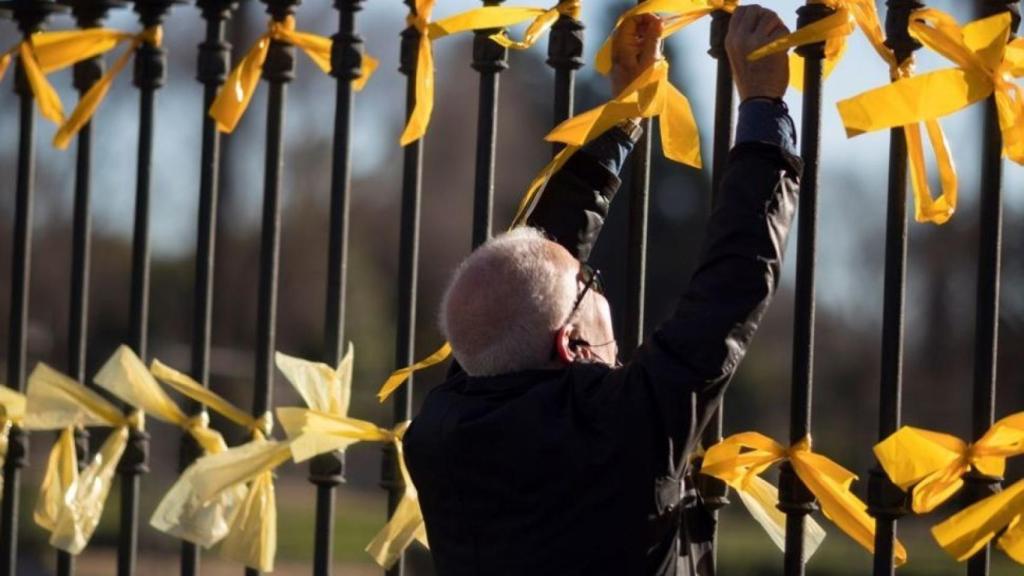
46,52
968,531
312,432
12,413
71,502
833,30
203,523
933,464
541,24
741,457
986,64
243,474
106,40
235,95
475,19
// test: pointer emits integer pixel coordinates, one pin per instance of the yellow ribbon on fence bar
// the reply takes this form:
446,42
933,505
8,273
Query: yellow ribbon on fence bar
985,65
12,413
968,531
312,432
833,30
203,523
47,52
475,19
761,500
185,385
235,95
321,387
933,463
91,100
741,457
541,24
70,503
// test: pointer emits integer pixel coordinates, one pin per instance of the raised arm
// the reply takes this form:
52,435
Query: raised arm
698,349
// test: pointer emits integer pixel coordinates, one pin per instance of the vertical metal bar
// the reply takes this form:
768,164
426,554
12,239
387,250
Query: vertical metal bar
794,498
565,55
885,500
489,59
636,256
986,331
278,71
327,471
30,16
408,261
211,71
714,492
86,73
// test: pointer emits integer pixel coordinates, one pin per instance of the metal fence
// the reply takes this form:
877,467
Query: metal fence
887,503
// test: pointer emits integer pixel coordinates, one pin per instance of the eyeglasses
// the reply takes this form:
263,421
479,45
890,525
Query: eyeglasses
591,280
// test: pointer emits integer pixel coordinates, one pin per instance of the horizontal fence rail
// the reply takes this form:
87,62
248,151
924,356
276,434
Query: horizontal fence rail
349,66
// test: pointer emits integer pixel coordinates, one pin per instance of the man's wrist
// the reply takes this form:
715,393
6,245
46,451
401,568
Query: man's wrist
632,128
765,119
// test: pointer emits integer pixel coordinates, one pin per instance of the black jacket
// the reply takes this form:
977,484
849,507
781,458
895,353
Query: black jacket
578,471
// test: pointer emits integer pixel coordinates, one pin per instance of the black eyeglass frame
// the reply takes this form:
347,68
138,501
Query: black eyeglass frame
591,279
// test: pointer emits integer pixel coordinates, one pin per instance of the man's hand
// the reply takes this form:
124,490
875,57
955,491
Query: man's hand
635,47
751,27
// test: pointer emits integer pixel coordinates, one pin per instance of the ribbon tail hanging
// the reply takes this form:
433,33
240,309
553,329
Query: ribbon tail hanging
401,375
419,119
234,97
969,530
761,499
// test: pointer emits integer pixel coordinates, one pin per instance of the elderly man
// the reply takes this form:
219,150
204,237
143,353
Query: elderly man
541,455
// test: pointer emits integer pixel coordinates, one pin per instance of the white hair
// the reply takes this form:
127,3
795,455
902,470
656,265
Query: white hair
506,301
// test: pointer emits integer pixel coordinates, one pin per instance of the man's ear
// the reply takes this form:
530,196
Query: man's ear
565,353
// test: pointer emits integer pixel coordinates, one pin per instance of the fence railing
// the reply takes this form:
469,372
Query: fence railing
887,502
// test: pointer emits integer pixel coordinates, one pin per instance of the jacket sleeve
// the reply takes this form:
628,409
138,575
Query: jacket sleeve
574,204
698,349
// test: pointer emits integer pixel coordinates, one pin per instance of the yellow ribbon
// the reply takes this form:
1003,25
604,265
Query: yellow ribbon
71,502
235,95
312,432
91,100
12,413
933,464
47,52
741,457
541,24
203,523
986,64
237,483
475,19
833,30
401,375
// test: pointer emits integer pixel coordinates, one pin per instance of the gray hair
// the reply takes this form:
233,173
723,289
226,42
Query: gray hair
506,301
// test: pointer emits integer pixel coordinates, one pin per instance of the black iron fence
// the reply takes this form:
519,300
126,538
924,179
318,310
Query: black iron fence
887,503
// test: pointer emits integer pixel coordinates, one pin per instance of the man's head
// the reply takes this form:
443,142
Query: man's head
510,307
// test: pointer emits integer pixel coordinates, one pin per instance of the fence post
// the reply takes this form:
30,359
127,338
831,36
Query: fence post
887,503
408,257
211,71
715,492
149,76
86,73
30,15
986,329
794,498
327,471
565,56
489,59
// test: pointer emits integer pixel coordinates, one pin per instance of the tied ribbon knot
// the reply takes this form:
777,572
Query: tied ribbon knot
90,102
541,24
227,495
236,94
325,427
46,52
476,19
740,458
71,502
934,464
986,63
